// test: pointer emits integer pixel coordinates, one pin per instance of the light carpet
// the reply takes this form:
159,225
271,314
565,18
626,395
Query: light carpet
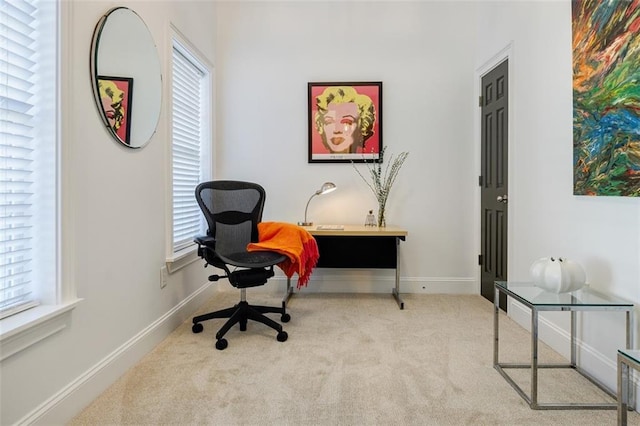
351,359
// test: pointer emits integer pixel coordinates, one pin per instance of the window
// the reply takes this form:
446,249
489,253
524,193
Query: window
191,109
28,154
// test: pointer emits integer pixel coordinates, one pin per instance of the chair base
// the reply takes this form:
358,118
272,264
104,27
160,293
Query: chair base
241,314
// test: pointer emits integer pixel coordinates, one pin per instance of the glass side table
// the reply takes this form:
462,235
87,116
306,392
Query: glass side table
627,359
538,300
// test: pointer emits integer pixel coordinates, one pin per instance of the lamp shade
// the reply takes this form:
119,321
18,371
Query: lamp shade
326,188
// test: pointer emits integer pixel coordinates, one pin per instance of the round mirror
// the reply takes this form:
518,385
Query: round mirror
126,77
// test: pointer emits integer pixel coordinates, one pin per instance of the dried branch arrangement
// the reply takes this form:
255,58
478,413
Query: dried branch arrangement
382,179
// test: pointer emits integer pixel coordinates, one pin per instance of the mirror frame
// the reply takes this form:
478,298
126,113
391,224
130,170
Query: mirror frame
124,82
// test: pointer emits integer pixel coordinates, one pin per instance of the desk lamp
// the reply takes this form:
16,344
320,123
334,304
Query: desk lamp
324,189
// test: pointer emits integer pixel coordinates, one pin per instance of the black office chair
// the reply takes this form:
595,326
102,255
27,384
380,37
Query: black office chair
233,210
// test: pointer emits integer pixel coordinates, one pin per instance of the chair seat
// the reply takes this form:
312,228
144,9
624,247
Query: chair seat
253,259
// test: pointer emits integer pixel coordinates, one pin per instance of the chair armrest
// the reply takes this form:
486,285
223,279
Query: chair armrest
205,244
205,240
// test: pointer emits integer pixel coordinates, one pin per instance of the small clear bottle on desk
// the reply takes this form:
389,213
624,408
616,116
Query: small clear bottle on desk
371,219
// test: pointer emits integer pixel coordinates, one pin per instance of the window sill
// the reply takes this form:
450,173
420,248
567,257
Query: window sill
182,258
27,328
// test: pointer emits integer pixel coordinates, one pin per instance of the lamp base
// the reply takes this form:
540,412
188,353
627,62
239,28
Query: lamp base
305,223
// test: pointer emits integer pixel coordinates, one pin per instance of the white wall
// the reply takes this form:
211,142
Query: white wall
601,233
114,235
423,52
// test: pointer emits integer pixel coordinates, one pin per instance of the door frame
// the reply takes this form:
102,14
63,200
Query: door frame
505,53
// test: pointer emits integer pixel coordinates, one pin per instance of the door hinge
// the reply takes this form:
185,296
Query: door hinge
479,180
480,100
480,259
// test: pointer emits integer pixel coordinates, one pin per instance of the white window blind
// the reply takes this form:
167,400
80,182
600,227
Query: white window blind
190,133
28,84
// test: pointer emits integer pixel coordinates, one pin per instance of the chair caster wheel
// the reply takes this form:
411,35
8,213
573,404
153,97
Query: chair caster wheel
197,328
282,336
285,318
222,344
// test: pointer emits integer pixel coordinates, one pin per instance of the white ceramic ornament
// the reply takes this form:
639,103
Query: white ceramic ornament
557,274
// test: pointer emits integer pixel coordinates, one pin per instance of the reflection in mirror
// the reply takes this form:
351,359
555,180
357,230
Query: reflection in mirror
126,77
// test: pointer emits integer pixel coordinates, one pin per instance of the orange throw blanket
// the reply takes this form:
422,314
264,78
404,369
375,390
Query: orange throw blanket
292,241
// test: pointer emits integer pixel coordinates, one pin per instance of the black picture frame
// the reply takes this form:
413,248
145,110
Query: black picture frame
344,121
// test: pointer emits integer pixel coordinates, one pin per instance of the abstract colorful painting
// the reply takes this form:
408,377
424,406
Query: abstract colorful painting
606,97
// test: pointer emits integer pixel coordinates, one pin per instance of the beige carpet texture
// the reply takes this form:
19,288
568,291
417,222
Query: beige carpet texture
351,359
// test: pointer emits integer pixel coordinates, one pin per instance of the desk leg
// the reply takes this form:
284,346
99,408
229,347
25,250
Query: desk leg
288,294
396,291
623,391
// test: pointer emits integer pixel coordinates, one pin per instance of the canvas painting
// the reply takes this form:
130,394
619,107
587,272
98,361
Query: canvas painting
606,97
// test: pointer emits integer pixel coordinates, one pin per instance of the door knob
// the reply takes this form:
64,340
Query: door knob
502,198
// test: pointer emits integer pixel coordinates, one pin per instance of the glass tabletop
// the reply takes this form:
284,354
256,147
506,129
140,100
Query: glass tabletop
633,354
537,296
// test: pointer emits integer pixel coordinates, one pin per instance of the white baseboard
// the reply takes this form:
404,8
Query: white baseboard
377,281
70,400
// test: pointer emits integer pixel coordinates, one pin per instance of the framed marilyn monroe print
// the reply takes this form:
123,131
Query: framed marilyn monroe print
345,122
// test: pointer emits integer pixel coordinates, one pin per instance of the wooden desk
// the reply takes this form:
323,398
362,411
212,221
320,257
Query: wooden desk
358,246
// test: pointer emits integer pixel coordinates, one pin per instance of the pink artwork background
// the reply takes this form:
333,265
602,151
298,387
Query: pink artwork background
123,131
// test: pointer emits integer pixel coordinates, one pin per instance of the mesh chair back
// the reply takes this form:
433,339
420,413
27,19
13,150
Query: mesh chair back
233,210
